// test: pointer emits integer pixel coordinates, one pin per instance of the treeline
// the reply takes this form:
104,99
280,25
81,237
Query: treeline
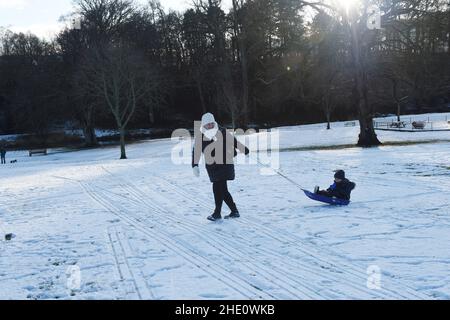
122,65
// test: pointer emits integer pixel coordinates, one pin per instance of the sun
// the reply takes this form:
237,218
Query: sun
347,4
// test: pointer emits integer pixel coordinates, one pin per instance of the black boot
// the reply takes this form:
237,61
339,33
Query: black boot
233,215
215,217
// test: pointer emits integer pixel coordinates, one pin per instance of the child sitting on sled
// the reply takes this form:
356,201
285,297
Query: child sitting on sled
341,189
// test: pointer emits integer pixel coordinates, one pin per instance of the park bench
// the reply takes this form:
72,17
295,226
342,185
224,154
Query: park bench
350,124
419,125
398,124
38,151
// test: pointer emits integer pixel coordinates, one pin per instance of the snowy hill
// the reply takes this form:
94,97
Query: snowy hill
136,229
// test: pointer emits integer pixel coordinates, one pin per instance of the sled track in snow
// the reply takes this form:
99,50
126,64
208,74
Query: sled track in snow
359,286
246,289
286,274
121,259
124,269
286,238
295,288
294,276
295,265
139,195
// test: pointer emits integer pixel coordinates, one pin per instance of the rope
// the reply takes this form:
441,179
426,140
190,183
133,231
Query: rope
282,175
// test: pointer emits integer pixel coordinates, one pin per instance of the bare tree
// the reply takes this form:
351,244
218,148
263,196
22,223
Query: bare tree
360,48
74,44
226,98
122,78
240,34
226,92
198,49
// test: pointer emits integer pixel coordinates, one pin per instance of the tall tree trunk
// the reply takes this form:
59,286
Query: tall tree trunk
151,115
202,98
243,59
395,96
90,138
245,85
328,115
367,136
326,105
123,154
233,120
225,76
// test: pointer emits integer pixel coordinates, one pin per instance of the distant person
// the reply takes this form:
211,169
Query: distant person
3,155
219,147
341,188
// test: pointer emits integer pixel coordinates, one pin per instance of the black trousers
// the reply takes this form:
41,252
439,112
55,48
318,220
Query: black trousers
331,195
3,160
222,194
325,193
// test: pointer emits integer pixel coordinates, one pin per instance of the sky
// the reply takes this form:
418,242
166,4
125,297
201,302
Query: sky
41,17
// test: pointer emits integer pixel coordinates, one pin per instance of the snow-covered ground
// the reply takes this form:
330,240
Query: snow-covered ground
344,133
136,229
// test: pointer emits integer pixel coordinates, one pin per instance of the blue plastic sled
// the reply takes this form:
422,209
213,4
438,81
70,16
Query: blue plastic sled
324,199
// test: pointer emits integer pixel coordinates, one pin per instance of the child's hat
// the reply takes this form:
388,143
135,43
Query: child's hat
340,174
